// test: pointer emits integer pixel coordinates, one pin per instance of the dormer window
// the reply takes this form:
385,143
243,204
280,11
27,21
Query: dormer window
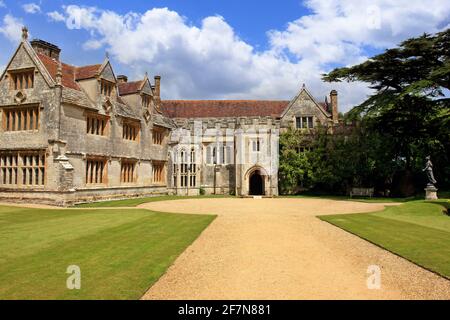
22,79
146,100
158,136
106,88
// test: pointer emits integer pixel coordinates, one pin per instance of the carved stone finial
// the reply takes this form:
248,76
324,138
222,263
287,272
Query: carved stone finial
107,55
24,33
303,85
59,74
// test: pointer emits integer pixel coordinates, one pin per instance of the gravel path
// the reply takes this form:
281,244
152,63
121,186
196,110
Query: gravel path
278,249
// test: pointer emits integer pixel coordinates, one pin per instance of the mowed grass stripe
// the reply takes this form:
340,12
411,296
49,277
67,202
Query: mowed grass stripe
425,246
133,202
427,214
18,239
120,262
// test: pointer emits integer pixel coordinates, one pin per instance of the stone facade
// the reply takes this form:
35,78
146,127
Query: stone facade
246,142
72,134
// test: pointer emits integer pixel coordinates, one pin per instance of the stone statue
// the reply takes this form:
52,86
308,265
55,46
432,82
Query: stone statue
429,170
430,190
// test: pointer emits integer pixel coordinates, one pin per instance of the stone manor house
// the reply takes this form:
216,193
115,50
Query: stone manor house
80,133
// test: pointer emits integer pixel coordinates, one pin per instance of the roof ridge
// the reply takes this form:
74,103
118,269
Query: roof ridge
225,100
89,65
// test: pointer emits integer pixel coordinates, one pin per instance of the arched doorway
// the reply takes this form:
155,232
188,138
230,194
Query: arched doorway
256,184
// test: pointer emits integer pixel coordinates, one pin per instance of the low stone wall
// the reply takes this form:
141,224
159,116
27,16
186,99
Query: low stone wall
66,198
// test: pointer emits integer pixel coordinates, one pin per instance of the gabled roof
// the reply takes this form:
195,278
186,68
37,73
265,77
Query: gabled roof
33,55
130,87
87,72
222,108
68,71
323,107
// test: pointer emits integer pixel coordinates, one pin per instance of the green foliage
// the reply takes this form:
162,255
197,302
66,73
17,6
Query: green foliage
351,157
294,168
408,108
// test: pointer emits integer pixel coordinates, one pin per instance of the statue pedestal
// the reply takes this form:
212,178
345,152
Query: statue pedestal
431,193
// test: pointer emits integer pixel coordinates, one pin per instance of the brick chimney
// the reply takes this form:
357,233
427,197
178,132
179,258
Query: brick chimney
122,78
158,87
46,48
334,106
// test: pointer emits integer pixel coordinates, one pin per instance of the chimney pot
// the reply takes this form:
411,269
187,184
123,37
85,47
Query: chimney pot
122,78
158,87
334,106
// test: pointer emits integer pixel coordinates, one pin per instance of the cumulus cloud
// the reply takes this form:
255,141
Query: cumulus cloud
11,28
31,8
2,4
211,61
56,16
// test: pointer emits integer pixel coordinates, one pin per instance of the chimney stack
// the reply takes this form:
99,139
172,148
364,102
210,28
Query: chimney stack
158,87
122,78
46,48
334,106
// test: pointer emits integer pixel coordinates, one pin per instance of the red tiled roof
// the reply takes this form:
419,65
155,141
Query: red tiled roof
68,71
222,108
129,87
87,72
324,106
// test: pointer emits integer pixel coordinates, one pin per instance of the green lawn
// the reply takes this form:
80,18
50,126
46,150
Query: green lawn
133,202
417,230
443,194
120,252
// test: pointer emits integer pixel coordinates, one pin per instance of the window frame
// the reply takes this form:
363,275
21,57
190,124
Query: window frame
22,173
126,164
127,130
106,87
158,172
104,175
146,100
32,112
158,135
12,74
98,117
308,124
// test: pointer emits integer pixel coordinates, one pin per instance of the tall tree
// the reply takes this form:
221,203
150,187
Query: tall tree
409,106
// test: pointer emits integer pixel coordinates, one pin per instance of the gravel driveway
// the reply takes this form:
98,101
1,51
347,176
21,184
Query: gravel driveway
278,249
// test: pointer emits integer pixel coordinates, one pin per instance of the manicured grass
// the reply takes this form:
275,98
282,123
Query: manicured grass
443,194
133,202
418,231
120,252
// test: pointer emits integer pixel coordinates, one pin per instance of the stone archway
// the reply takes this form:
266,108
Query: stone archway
256,184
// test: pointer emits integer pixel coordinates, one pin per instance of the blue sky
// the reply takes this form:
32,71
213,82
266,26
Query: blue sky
239,14
217,49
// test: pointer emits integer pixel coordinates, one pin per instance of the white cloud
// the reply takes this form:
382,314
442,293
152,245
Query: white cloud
56,16
211,61
2,4
31,8
11,28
